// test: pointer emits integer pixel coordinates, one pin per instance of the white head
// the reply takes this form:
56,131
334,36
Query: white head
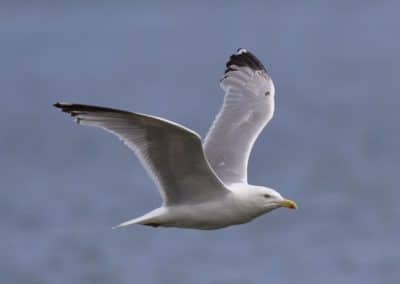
265,199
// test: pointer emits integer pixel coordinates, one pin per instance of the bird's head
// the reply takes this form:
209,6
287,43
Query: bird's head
269,199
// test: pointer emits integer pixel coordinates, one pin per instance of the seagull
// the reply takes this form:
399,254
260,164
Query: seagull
203,183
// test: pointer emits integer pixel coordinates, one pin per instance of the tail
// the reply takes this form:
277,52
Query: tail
127,223
149,219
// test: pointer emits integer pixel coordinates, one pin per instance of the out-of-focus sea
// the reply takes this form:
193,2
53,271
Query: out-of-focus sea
333,144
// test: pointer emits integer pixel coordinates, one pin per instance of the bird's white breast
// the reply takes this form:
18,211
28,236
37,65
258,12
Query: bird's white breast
208,215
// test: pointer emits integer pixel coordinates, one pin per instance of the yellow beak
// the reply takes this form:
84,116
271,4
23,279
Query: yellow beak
288,204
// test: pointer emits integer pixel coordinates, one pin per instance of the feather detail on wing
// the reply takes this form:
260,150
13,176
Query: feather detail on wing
172,154
247,108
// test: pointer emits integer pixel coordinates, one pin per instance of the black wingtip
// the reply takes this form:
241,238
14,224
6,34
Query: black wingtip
243,57
65,107
76,109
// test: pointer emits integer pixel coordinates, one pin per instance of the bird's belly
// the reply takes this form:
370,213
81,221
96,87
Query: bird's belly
206,216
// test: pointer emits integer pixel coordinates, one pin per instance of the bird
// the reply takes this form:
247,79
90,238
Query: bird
203,183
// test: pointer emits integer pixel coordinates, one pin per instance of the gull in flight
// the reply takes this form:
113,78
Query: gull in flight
203,183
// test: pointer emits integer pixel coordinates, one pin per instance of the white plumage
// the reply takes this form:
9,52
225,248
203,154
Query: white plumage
201,189
248,106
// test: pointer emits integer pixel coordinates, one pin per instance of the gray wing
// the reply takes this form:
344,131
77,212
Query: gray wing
172,155
248,106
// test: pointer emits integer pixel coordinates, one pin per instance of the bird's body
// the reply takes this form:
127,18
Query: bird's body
203,183
236,207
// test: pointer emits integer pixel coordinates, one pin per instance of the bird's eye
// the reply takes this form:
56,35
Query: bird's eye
267,93
267,196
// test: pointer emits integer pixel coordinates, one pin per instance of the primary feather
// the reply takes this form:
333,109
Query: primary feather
172,154
248,107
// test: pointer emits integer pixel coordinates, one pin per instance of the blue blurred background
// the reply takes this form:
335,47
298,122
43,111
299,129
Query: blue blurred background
332,145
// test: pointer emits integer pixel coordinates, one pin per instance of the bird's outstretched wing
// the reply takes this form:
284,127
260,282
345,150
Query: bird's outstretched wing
172,154
247,108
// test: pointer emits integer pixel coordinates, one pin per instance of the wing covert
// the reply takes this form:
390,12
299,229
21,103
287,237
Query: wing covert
171,154
247,108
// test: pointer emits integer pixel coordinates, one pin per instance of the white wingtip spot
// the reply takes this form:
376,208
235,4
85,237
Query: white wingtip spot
241,51
64,104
